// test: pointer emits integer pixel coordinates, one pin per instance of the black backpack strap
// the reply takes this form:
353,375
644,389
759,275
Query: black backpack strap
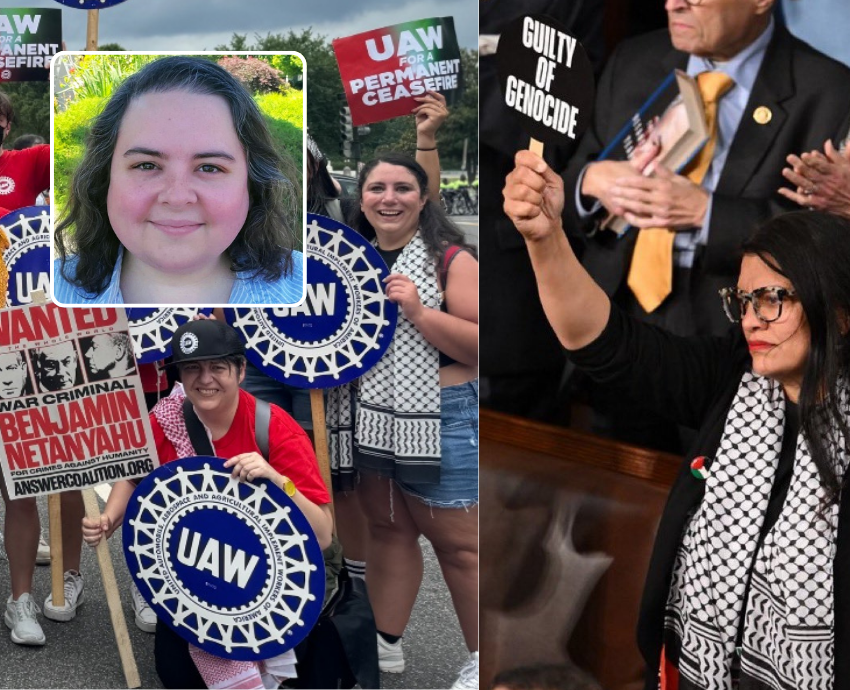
197,433
262,421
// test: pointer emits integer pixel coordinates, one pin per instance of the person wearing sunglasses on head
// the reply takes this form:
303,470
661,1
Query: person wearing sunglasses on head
750,573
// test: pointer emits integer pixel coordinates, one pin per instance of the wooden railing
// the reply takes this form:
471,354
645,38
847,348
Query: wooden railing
532,474
578,446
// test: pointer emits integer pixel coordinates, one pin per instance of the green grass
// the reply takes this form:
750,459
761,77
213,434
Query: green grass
69,134
284,116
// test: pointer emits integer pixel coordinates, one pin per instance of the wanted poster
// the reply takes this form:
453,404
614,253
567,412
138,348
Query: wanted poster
72,412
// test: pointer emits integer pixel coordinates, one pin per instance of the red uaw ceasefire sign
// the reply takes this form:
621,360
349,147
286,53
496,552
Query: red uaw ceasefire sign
72,411
29,38
383,70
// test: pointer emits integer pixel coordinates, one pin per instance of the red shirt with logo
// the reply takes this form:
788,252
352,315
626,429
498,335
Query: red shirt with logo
290,450
24,175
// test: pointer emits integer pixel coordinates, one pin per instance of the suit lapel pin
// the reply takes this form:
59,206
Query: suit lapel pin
698,468
762,115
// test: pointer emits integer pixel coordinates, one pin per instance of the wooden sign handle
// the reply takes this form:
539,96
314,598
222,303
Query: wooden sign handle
119,625
57,564
91,29
54,514
536,147
110,586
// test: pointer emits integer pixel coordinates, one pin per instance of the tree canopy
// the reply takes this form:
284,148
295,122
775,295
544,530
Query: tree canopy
31,101
324,85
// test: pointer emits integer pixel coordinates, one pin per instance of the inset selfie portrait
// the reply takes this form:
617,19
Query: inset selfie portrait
178,179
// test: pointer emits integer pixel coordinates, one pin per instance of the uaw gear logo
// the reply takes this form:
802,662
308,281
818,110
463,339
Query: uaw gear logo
89,4
343,326
151,329
7,185
232,567
28,255
188,343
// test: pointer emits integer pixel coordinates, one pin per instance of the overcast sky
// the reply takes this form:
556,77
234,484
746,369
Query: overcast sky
203,24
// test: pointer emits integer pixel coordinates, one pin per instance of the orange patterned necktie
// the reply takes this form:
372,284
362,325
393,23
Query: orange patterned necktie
651,272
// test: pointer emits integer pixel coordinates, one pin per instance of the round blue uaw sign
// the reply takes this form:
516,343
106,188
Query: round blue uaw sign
89,4
151,329
28,255
345,323
232,567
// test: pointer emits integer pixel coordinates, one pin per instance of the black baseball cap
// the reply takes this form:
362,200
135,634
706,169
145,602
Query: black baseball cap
204,339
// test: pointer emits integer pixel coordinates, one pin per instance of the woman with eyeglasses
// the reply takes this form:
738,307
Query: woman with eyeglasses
749,581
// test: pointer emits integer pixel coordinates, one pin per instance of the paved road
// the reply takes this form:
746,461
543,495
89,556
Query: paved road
82,653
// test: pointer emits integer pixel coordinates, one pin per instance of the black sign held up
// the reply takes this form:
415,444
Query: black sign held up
546,78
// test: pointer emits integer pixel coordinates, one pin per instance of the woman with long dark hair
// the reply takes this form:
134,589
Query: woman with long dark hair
415,430
181,198
748,578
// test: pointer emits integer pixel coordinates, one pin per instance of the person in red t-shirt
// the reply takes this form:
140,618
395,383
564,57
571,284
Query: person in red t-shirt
209,357
24,174
210,360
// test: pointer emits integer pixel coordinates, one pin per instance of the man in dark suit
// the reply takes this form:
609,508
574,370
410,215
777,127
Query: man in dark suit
786,97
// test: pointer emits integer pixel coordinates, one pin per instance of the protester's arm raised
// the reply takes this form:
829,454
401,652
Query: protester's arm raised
430,115
575,305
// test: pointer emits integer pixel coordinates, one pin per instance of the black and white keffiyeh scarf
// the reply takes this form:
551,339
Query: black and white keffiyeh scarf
339,420
784,589
396,427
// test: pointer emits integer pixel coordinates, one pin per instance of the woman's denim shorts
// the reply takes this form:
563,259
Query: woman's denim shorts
458,487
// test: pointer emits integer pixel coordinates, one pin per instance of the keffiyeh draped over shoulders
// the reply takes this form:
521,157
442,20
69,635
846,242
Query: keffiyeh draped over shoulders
764,609
395,430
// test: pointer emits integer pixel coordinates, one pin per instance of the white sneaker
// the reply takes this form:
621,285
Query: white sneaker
468,678
42,556
145,617
74,597
390,656
21,620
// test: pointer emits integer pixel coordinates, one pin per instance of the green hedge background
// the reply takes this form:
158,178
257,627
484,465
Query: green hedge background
85,91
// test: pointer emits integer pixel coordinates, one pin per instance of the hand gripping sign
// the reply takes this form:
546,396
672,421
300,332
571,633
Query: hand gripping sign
344,325
546,78
152,329
28,255
232,567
